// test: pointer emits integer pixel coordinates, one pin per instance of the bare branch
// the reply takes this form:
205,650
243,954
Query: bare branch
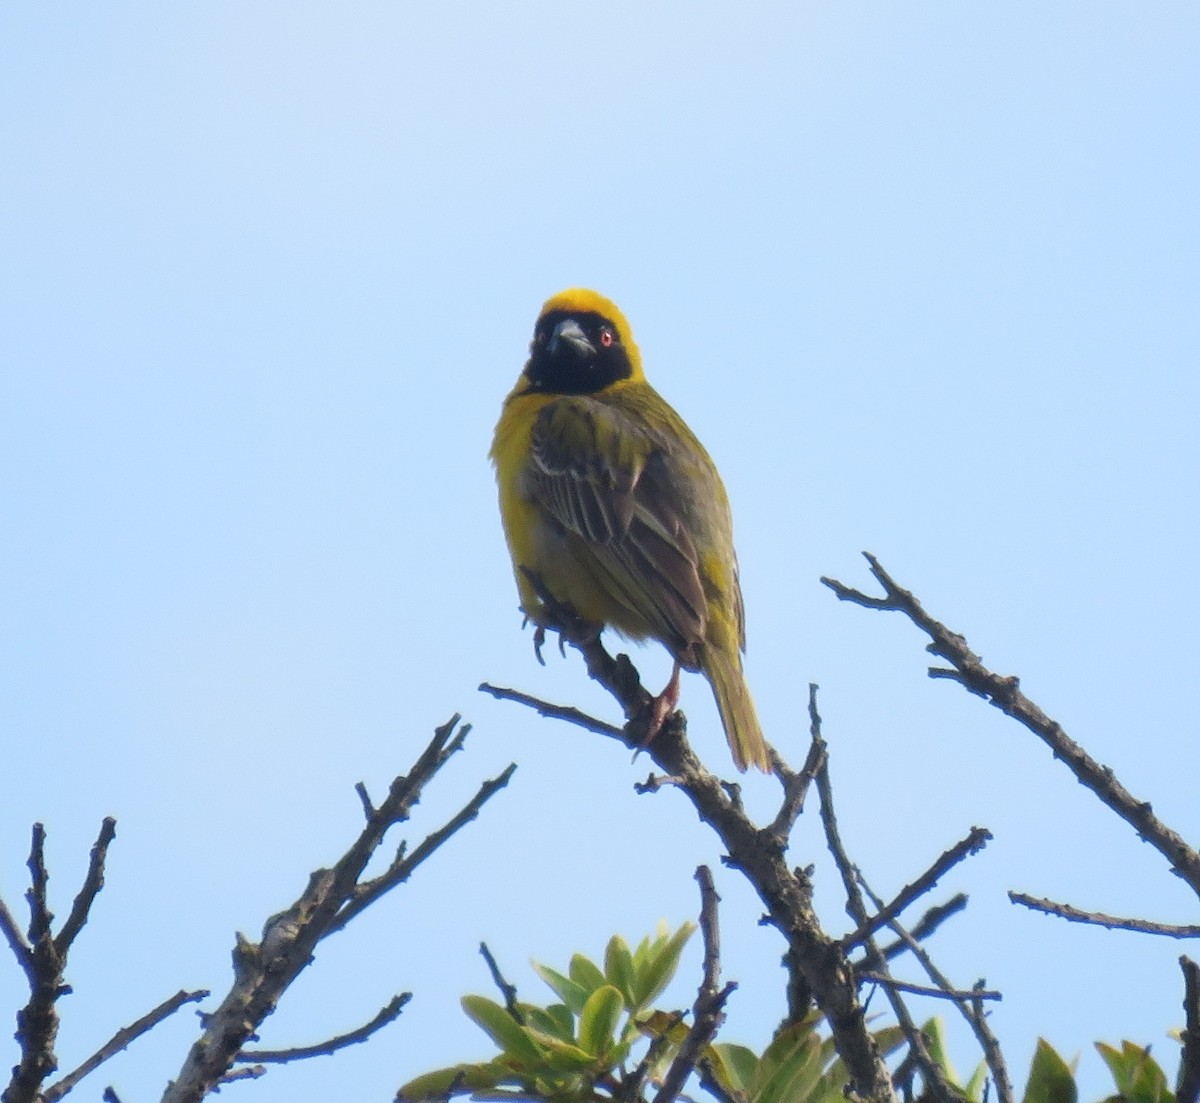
972,1010
796,785
404,865
1099,919
1005,694
508,991
555,712
957,995
121,1040
708,1012
93,882
17,942
264,970
926,925
40,915
938,1084
1188,1083
974,842
759,854
386,1015
37,1021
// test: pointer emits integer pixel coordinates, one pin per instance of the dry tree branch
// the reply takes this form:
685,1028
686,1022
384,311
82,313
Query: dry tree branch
975,841
1188,1084
507,990
954,995
758,852
386,1014
93,882
968,670
264,970
937,1083
971,1007
121,1040
708,1012
1100,919
43,958
17,942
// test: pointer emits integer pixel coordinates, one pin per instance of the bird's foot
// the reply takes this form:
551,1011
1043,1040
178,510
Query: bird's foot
659,709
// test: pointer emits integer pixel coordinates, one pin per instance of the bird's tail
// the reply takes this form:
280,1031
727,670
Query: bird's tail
724,672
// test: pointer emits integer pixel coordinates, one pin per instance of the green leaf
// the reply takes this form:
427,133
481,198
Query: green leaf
657,966
572,994
598,1020
790,1068
733,1065
1050,1077
975,1086
1137,1075
436,1085
503,1029
935,1040
559,1056
586,974
618,968
555,1020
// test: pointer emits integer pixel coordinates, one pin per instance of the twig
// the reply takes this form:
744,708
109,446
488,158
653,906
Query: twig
1005,694
37,1021
121,1040
708,1012
1188,1082
93,882
331,1045
508,991
405,864
263,971
1099,919
796,785
937,1083
555,712
15,937
110,1095
972,1010
974,842
957,995
246,1072
927,924
40,915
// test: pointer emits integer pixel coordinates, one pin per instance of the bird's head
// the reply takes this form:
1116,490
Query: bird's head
581,344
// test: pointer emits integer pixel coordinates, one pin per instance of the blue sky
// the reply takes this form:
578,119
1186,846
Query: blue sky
924,279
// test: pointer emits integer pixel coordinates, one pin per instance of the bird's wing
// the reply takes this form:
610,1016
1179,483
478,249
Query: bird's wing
602,475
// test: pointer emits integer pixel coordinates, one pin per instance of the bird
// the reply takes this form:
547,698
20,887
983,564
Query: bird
610,500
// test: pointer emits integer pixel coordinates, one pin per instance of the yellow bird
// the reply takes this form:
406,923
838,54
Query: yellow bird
609,498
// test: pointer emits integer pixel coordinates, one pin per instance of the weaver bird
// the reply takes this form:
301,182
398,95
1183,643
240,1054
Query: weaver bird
610,500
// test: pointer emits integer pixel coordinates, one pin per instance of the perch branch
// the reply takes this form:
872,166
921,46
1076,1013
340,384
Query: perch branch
759,853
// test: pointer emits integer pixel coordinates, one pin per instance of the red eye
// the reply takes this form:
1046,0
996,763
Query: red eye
607,337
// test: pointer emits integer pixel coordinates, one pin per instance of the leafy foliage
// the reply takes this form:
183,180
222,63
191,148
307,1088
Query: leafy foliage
581,1048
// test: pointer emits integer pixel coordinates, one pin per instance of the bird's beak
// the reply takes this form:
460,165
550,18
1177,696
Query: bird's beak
570,331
